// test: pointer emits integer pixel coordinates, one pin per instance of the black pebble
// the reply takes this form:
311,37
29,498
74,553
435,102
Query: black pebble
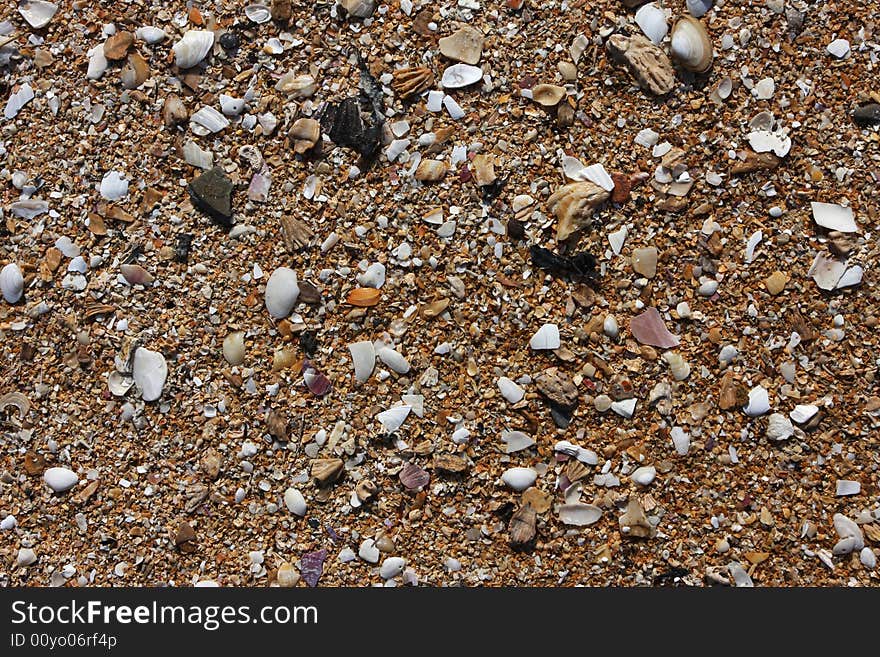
230,41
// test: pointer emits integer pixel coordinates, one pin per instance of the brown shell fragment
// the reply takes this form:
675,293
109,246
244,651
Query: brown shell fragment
408,82
277,426
95,310
326,471
558,388
450,463
647,63
522,527
366,490
574,205
634,523
18,400
364,297
304,134
297,235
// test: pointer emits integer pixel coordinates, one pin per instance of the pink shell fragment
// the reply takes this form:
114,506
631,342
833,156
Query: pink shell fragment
317,383
413,477
648,328
311,565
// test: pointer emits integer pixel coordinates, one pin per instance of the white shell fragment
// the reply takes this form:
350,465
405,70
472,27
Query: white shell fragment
150,35
11,283
763,141
60,479
831,274
846,487
368,551
393,359
759,402
652,20
698,8
579,515
393,418
258,13
644,475
839,48
282,291
547,337
625,408
295,502
510,390
192,48
519,478
233,348
114,186
37,13
681,441
150,372
230,105
197,156
515,441
834,217
392,567
582,454
779,427
209,119
19,99
461,75
597,174
803,413
363,356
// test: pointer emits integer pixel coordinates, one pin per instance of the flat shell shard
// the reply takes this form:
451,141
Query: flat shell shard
211,192
315,380
759,402
648,328
646,62
832,274
19,99
834,217
149,371
326,471
465,45
393,418
522,526
113,186
209,119
37,13
578,267
413,477
764,141
574,205
634,523
18,401
393,359
311,566
579,515
515,441
363,357
546,337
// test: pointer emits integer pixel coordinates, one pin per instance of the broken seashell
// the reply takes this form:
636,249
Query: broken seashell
11,283
119,384
515,441
690,45
258,13
366,490
37,13
574,205
779,427
677,365
648,328
113,186
233,348
834,217
326,471
465,45
522,526
297,86
393,418
150,34
315,380
763,141
197,156
363,356
18,400
363,297
431,170
408,82
17,100
575,471
547,95
803,413
150,372
461,75
652,20
831,274
647,63
393,359
510,390
209,119
413,477
634,523
546,337
359,8
192,48
135,275
759,402
304,133
135,72
579,515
